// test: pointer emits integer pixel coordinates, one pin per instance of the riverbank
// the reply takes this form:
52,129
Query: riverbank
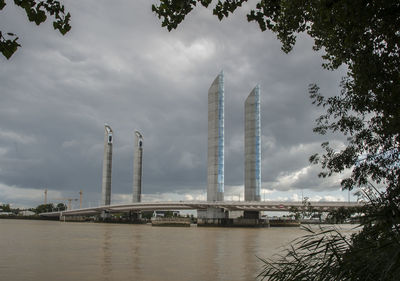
175,221
8,217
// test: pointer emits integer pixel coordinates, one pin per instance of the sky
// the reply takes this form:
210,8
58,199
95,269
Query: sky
118,66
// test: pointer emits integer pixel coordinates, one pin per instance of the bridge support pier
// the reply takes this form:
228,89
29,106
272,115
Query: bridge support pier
135,216
212,213
62,218
251,215
105,215
220,217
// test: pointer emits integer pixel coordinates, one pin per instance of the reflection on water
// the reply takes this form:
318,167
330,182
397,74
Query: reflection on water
135,254
48,250
106,264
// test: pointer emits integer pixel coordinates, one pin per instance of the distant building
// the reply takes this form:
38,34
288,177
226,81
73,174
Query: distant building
162,214
235,214
26,213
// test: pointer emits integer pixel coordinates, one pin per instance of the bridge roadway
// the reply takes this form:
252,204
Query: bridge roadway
201,205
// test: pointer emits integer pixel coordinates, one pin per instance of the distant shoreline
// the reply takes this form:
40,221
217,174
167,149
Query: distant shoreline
272,225
29,218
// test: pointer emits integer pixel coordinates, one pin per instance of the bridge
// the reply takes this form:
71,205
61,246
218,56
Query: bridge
202,205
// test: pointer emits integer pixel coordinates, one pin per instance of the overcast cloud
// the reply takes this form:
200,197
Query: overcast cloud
118,66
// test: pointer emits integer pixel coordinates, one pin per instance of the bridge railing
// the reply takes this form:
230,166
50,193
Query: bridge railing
198,205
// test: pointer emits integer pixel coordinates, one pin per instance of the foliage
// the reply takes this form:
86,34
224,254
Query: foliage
373,253
168,214
364,36
37,12
315,256
61,207
305,211
342,214
6,208
147,214
295,213
44,208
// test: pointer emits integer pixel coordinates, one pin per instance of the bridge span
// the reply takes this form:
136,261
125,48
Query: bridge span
201,205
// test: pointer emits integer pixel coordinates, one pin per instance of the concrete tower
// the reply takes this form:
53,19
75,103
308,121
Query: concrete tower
215,186
252,144
107,165
137,168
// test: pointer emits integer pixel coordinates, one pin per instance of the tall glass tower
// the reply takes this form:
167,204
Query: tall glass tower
252,144
215,185
107,165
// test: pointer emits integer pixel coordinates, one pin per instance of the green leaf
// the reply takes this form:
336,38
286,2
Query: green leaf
2,4
8,47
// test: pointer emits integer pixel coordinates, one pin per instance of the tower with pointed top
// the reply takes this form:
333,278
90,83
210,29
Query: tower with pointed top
107,166
137,168
215,157
252,147
252,144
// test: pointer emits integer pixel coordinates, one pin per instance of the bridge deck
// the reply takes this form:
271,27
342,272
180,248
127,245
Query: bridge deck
201,205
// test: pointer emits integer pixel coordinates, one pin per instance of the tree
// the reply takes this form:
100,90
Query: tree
168,214
327,254
37,12
305,211
5,208
147,214
44,208
342,214
61,207
364,36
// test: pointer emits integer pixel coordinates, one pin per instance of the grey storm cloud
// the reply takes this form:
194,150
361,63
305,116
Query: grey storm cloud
119,66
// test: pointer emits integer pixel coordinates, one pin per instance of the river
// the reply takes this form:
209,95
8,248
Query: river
52,250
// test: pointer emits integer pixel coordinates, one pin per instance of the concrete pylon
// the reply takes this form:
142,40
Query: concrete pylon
107,166
252,144
137,168
215,157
